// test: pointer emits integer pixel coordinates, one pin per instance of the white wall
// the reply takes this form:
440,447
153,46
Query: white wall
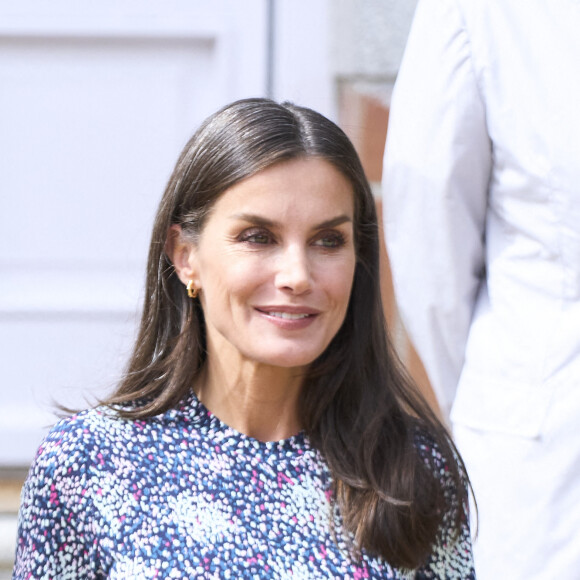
369,37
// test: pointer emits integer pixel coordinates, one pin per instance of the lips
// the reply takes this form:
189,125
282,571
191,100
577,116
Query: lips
288,312
289,317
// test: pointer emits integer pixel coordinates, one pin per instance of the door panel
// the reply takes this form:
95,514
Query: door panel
96,101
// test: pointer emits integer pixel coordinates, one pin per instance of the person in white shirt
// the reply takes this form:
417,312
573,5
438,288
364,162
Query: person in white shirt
482,219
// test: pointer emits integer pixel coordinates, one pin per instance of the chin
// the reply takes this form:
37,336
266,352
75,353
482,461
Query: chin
286,359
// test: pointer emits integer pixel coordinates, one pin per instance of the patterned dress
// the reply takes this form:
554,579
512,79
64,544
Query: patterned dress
182,495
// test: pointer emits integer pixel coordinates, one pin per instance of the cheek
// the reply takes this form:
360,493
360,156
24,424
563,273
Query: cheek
339,284
231,280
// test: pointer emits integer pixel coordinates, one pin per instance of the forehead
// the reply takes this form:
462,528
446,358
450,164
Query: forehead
300,187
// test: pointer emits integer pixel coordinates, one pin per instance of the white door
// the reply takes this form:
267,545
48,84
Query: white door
96,101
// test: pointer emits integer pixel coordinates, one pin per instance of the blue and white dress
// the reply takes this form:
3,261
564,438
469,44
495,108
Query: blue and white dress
182,495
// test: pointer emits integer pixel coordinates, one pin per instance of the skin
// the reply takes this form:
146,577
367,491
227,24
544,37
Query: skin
274,266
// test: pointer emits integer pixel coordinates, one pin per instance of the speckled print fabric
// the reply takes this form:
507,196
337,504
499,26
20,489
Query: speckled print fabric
182,495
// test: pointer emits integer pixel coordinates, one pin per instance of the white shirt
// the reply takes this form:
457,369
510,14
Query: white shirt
482,204
482,220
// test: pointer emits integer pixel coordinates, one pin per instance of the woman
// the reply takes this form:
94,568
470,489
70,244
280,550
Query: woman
264,427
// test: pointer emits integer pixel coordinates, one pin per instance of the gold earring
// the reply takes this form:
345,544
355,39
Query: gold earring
191,291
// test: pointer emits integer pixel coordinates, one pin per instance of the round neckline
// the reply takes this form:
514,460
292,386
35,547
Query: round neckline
227,436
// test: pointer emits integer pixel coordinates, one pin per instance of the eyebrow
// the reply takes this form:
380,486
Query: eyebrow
262,221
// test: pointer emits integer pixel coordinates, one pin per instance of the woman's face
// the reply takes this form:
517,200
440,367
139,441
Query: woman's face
275,264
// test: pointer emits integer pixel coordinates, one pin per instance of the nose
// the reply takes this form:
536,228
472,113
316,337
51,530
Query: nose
294,271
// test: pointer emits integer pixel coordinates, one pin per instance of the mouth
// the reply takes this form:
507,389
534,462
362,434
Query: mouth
288,315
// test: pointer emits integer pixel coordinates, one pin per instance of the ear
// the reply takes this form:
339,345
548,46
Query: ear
181,253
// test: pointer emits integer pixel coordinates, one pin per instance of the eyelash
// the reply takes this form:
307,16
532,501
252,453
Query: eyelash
337,240
248,235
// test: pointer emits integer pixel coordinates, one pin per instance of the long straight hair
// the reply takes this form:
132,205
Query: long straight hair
358,406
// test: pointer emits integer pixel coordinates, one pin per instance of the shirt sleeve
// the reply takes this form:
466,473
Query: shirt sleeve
54,537
452,556
436,176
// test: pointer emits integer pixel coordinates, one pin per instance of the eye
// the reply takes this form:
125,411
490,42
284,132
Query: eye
256,236
330,240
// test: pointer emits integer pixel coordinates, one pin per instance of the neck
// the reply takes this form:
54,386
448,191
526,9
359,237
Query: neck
257,400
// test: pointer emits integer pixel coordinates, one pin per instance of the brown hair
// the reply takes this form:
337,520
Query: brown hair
358,405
